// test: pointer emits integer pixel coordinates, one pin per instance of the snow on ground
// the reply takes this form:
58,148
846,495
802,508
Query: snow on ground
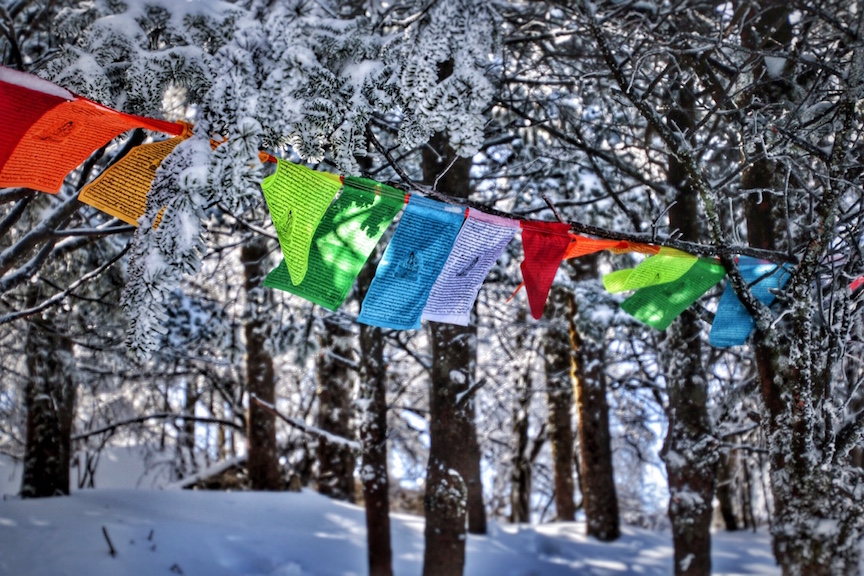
303,534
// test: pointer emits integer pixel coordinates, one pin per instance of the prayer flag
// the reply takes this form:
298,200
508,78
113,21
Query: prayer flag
121,190
659,305
345,238
668,265
732,322
411,264
297,198
480,242
544,244
24,98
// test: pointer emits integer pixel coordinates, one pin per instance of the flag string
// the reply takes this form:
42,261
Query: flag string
328,224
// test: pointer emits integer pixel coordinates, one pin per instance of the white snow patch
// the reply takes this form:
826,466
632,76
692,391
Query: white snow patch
32,82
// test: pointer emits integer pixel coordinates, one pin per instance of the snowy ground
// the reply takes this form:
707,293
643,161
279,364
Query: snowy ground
290,534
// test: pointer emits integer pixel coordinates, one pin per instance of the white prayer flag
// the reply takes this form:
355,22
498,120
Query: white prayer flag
480,242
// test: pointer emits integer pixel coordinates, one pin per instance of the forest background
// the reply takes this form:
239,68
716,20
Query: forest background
719,128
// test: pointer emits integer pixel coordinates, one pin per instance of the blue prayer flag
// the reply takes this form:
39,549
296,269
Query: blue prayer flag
732,323
411,264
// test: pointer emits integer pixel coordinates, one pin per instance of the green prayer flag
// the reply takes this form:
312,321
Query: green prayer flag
659,305
667,266
345,238
297,198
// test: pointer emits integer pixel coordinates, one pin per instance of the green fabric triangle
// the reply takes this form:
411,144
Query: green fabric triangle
297,198
659,305
345,238
666,266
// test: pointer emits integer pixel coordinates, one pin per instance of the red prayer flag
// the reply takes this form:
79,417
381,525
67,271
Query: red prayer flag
544,244
24,98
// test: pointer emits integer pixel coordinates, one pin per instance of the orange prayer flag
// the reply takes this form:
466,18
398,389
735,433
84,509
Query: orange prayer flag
582,246
66,136
121,190
635,247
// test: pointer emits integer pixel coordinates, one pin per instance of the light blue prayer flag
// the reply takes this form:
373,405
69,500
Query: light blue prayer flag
411,264
732,322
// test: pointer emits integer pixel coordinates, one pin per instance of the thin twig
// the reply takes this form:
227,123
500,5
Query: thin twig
311,430
111,549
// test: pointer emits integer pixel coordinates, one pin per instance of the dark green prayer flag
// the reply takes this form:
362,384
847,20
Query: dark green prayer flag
342,243
659,305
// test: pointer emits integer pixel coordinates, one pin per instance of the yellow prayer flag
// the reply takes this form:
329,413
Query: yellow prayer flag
121,190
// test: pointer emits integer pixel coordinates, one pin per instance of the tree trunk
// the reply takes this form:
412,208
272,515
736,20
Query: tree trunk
520,487
557,362
262,454
373,435
599,497
454,452
726,464
689,450
50,401
336,462
446,499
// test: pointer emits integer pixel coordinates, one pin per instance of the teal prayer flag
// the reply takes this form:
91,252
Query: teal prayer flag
732,323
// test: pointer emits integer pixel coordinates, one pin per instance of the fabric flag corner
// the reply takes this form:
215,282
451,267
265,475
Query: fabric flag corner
658,305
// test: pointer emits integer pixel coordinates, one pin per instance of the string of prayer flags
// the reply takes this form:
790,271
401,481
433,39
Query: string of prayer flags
61,138
732,322
658,305
297,198
121,190
667,265
544,245
411,264
478,245
345,238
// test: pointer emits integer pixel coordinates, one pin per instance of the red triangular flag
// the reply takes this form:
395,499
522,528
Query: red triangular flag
544,244
24,98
